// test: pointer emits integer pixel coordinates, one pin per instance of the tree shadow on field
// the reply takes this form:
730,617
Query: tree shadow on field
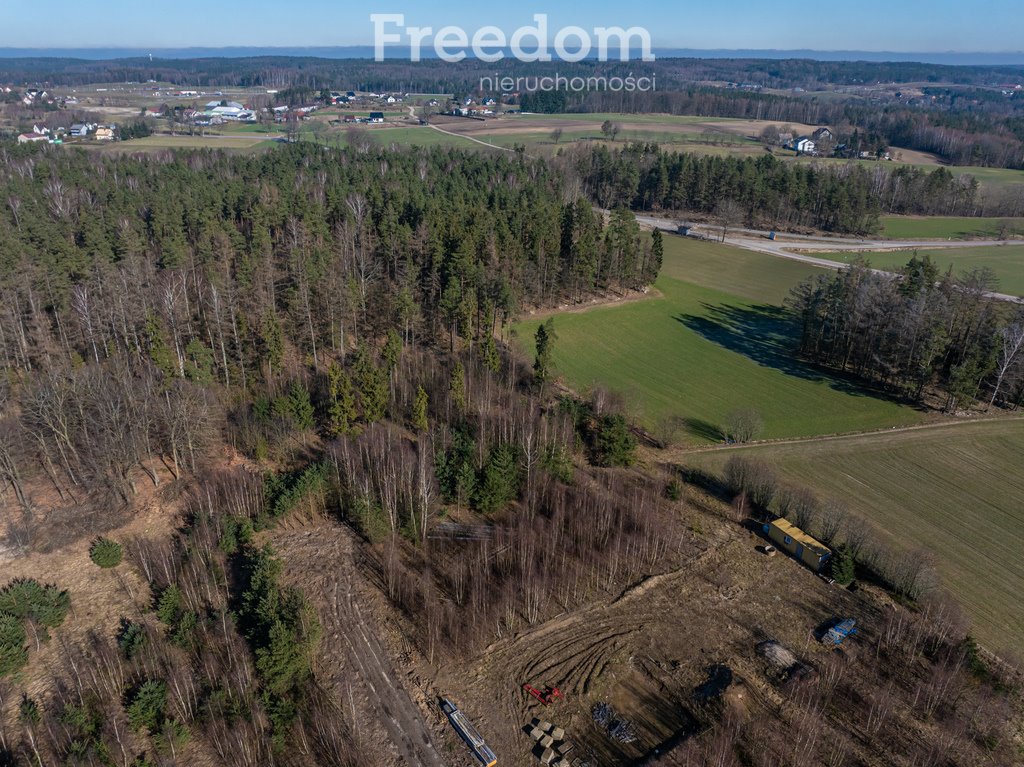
703,429
766,335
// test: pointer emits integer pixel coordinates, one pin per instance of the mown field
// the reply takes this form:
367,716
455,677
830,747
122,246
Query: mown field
949,227
211,141
1007,261
956,490
713,341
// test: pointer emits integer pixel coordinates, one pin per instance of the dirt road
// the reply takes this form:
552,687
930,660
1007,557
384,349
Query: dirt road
353,659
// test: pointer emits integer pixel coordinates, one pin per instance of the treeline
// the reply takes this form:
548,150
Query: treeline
771,193
763,190
915,330
856,546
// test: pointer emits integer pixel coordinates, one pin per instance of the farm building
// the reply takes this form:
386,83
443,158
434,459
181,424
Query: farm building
804,145
791,538
376,117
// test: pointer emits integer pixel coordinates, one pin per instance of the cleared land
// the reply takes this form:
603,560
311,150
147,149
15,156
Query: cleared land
949,227
1007,261
956,490
699,352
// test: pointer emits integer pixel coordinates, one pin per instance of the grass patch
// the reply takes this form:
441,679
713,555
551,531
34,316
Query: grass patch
956,490
159,141
948,227
1007,261
714,341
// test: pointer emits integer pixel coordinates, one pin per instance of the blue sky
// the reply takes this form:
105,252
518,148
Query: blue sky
869,25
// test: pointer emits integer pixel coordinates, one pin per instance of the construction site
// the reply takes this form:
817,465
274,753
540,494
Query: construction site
729,636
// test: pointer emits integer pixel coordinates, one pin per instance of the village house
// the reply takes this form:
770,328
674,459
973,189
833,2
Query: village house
104,133
376,117
31,138
803,145
822,134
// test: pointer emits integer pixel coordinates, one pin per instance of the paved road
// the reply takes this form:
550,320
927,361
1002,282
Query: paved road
824,243
752,239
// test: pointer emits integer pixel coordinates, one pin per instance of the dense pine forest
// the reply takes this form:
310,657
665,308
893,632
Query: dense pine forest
768,192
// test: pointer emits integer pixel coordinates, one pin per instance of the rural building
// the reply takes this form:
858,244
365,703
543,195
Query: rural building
224,105
804,145
376,117
791,538
31,138
822,134
104,133
79,130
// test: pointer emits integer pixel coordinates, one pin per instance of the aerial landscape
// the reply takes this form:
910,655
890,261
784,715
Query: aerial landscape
451,385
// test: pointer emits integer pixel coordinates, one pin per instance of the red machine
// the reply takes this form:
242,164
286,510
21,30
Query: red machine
547,696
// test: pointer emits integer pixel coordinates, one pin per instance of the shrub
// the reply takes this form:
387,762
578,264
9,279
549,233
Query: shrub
743,425
674,490
106,553
755,478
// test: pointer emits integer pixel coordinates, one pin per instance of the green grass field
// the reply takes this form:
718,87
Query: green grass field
948,227
956,490
712,342
1007,261
212,141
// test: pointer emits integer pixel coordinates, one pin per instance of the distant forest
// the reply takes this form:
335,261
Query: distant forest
425,75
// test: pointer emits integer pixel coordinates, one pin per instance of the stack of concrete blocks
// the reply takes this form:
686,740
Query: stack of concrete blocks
552,748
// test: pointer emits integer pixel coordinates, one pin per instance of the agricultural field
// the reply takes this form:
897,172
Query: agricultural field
209,141
949,227
713,339
955,490
1007,261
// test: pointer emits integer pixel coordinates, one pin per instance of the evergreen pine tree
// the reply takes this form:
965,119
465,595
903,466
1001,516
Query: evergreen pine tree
457,388
657,255
341,413
419,410
545,339
843,566
392,351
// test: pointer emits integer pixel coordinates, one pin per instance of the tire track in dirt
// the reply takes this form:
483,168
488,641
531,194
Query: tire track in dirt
352,641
